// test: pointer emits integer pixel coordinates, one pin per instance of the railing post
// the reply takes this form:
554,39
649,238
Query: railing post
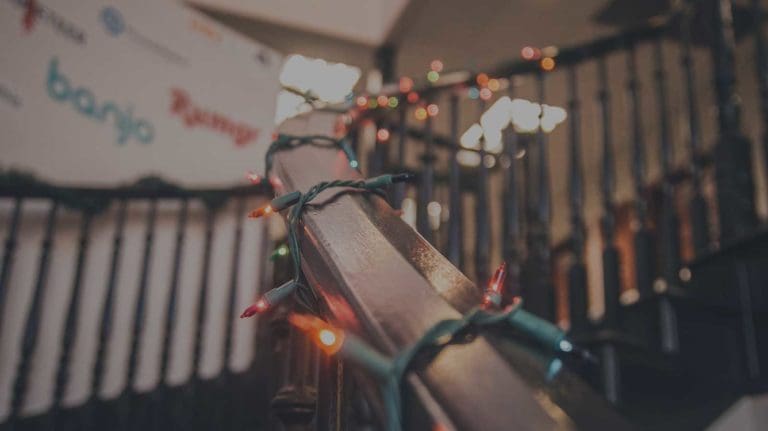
426,186
577,273
610,370
537,291
482,217
511,209
642,241
761,63
733,167
8,252
698,205
398,193
455,250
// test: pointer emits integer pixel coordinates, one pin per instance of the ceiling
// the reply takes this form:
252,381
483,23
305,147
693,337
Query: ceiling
363,21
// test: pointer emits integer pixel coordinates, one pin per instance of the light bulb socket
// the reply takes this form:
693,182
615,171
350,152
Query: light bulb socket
543,332
279,293
284,201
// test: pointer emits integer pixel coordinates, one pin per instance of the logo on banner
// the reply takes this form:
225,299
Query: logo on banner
84,102
116,25
194,116
35,12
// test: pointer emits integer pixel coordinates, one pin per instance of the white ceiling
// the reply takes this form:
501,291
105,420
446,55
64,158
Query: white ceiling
364,21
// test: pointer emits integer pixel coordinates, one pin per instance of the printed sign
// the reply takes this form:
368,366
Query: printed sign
93,91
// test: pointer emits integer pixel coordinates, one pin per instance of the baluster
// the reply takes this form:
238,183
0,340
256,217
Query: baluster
426,189
538,288
697,205
611,265
105,324
482,216
577,273
200,321
511,208
761,63
73,314
733,166
455,250
376,157
137,327
642,240
398,194
8,252
169,327
32,324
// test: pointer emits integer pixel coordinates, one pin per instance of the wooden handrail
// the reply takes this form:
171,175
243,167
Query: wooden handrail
381,280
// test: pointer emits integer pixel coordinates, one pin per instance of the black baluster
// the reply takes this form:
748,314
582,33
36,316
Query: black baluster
398,194
376,157
482,214
169,327
761,63
127,398
537,290
105,325
32,324
511,208
610,370
455,251
642,239
733,166
698,205
669,224
577,273
71,321
8,252
426,189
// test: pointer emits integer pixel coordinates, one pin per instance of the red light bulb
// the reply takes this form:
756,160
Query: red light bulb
259,306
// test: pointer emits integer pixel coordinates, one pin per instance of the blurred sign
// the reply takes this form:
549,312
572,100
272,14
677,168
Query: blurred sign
93,91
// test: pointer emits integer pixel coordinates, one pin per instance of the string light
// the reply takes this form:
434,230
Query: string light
393,102
473,93
494,84
362,101
413,97
432,76
382,100
436,65
373,103
432,110
279,252
276,205
382,135
406,84
486,94
253,177
270,299
547,64
482,79
527,53
420,113
492,296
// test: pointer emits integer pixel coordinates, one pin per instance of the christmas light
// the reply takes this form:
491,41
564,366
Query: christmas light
362,101
373,103
406,84
494,84
276,205
482,79
486,94
420,113
382,135
473,93
528,53
382,100
432,110
432,76
492,296
253,177
436,65
349,152
393,102
547,64
279,252
270,299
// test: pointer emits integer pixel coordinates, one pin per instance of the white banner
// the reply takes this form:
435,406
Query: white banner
92,91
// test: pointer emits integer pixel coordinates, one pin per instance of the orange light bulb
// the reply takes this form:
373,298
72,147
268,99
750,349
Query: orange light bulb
258,212
259,306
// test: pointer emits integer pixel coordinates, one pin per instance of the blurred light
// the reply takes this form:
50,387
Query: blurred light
413,97
489,161
433,212
468,158
497,117
362,101
406,84
433,76
374,81
420,113
473,93
471,138
553,115
492,140
528,53
289,105
373,103
432,110
382,100
550,51
382,135
436,65
493,84
486,94
393,102
482,79
327,337
409,211
547,63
